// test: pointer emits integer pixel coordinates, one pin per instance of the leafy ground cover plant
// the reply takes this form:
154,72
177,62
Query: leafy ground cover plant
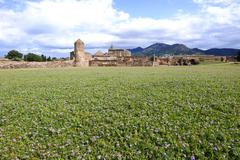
121,113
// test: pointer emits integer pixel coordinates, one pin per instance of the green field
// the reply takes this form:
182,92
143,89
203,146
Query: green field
121,113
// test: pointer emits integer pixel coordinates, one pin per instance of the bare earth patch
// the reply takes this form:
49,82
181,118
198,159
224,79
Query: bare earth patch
6,64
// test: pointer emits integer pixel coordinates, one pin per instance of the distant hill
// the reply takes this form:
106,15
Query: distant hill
222,52
137,50
198,51
160,49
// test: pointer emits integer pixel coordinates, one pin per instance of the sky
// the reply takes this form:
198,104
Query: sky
51,27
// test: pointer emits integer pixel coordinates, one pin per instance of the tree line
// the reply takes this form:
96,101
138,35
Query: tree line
30,57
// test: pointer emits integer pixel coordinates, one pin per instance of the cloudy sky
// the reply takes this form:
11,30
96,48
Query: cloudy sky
51,26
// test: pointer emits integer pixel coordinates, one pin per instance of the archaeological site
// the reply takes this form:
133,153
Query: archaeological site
113,57
123,57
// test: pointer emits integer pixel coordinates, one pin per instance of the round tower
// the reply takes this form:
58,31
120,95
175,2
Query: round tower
79,50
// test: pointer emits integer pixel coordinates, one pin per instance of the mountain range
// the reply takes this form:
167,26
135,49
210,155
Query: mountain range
161,49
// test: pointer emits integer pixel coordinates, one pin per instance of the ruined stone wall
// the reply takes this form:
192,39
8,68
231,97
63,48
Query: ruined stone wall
118,53
102,63
22,64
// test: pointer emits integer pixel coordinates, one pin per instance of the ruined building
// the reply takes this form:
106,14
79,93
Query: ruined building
114,57
81,58
123,57
119,52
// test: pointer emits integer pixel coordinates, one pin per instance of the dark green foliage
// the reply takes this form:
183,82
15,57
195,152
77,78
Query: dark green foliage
71,55
151,58
63,59
44,58
17,59
14,55
194,62
222,59
31,57
238,56
49,59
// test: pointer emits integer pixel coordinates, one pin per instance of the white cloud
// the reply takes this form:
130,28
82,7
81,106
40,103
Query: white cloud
51,26
60,22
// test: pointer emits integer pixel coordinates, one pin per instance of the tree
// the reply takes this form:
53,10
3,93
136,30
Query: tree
194,61
44,58
238,56
31,57
14,55
49,59
72,55
222,59
151,58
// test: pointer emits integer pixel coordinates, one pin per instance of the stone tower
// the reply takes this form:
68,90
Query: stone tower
80,58
79,51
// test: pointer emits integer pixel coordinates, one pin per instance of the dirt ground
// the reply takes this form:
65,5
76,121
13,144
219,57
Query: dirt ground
7,64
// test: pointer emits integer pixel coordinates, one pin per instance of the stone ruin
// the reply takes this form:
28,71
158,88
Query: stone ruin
114,57
123,57
81,59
